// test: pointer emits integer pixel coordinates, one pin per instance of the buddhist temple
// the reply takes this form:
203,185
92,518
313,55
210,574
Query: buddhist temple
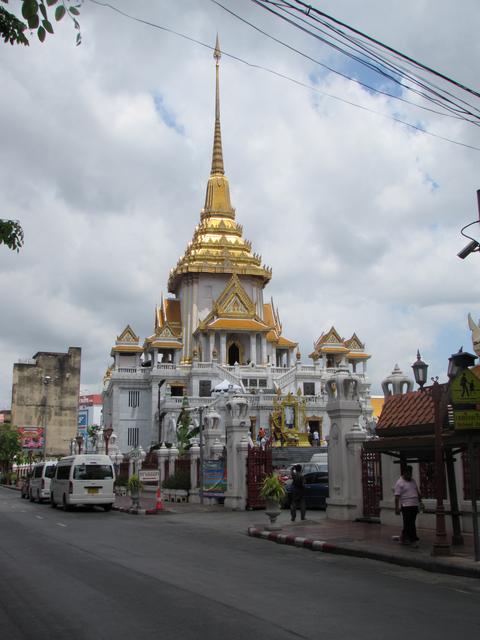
215,333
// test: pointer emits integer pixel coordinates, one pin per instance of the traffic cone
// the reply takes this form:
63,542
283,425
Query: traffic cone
159,503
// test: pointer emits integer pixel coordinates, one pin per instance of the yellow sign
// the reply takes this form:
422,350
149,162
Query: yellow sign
469,419
465,388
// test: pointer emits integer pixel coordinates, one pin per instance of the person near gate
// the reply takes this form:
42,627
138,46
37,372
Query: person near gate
298,493
407,501
316,438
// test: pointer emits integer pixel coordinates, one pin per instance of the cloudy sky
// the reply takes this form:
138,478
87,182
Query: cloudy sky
105,154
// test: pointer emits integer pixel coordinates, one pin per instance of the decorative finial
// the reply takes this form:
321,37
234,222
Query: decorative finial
217,53
217,156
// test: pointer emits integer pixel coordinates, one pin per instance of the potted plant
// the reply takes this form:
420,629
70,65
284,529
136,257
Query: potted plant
273,491
134,487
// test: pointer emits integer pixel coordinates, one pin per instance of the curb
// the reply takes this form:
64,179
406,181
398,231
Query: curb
433,565
136,512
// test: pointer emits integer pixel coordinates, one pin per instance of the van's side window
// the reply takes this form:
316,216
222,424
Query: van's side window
38,471
63,472
50,471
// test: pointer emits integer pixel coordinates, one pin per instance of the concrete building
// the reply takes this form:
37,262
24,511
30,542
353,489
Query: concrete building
45,395
217,332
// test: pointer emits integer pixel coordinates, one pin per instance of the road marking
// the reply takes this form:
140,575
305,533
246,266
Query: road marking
40,517
60,524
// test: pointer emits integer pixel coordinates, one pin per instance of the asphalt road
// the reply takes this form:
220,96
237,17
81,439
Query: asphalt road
97,575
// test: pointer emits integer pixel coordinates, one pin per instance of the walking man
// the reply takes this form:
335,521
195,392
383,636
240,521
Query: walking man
407,499
298,492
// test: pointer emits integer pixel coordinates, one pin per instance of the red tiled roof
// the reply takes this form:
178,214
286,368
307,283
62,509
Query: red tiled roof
407,414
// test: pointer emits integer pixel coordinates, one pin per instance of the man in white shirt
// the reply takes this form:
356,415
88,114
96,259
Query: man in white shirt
407,499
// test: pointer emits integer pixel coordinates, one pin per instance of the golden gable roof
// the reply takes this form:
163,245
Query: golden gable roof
332,343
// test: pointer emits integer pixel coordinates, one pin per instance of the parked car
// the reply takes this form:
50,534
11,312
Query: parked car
42,474
25,487
316,490
307,467
321,457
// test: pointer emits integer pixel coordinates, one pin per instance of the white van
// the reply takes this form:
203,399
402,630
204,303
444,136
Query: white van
40,480
84,479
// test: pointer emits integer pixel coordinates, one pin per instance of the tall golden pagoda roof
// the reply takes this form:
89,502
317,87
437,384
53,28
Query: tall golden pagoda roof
218,245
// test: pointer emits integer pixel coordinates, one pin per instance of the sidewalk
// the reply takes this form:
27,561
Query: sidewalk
374,541
316,533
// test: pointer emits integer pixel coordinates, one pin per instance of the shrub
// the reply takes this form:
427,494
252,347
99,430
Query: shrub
179,480
134,483
272,488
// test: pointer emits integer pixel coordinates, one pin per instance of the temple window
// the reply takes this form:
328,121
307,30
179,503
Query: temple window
205,388
308,388
132,436
133,398
177,390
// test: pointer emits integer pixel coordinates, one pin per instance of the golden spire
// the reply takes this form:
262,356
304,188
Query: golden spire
218,245
217,156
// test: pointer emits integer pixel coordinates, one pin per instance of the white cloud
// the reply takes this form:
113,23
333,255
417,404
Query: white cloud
106,151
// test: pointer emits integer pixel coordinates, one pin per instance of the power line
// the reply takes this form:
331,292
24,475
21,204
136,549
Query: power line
309,9
433,93
281,75
343,75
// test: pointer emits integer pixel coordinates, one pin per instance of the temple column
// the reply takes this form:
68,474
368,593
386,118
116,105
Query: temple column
154,358
223,347
263,338
253,348
211,342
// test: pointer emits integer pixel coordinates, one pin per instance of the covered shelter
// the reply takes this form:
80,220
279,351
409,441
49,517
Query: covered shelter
406,432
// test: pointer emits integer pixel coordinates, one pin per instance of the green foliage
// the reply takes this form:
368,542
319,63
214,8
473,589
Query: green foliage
184,428
179,480
272,488
36,16
134,484
9,445
92,431
11,234
11,28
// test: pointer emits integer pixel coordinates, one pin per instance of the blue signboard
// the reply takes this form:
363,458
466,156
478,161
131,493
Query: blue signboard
214,478
83,418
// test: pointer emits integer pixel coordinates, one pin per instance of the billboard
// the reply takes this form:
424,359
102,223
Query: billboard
31,437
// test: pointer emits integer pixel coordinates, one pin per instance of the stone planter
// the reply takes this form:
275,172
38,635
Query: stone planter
273,510
135,496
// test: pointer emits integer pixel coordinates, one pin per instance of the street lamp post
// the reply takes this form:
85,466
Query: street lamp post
107,434
441,546
79,441
200,414
160,434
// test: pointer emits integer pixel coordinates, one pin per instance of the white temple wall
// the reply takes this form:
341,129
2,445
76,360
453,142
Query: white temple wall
130,417
197,296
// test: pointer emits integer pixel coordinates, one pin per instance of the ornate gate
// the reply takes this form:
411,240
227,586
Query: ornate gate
372,483
259,464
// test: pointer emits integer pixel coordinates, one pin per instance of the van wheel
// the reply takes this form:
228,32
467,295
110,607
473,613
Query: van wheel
39,500
107,507
53,504
66,506
30,496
